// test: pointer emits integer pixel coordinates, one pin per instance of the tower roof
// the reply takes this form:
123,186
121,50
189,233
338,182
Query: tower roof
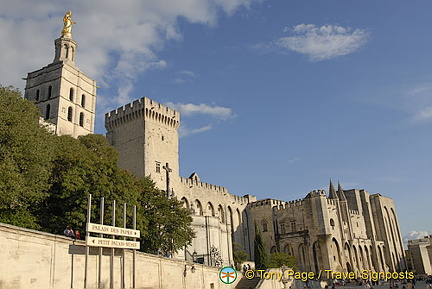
332,191
341,192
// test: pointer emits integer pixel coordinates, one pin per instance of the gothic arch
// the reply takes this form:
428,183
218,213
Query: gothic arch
221,214
348,255
336,253
199,209
239,218
210,209
264,225
302,257
230,218
185,203
368,259
382,265
317,256
356,259
273,250
288,250
362,258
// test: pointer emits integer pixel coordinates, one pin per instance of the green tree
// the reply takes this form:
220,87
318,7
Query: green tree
25,159
239,255
84,166
45,181
169,224
261,259
279,259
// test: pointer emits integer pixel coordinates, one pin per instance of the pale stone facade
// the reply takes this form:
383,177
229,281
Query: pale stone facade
35,260
420,251
146,137
347,230
66,97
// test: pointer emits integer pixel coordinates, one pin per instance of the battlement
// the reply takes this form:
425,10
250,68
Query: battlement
142,108
332,202
290,204
268,202
208,186
354,212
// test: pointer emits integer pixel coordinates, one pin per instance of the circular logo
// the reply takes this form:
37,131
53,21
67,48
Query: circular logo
227,275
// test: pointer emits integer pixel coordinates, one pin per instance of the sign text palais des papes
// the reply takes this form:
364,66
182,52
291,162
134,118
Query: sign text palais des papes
112,243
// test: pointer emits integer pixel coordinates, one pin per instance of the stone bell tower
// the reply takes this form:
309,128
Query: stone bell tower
66,97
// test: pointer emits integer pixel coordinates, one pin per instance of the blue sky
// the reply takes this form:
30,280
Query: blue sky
276,97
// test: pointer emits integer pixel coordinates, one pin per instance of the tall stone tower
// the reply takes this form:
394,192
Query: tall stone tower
66,97
145,134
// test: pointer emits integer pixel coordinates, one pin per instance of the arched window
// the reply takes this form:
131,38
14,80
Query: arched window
47,111
81,119
210,209
70,112
199,208
66,51
37,95
185,203
221,214
49,92
83,100
71,94
264,226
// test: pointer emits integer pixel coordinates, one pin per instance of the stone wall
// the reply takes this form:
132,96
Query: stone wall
32,259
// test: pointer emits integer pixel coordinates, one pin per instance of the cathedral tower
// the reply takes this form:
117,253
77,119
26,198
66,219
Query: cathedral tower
66,97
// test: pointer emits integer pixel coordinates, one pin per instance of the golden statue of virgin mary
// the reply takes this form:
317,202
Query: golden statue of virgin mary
67,25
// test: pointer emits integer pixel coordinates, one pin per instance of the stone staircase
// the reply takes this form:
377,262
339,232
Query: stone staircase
247,283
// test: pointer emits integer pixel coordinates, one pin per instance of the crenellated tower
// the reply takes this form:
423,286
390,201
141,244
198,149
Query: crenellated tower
145,135
66,97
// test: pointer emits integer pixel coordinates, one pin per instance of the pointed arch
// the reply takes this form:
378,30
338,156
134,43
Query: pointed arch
221,214
199,209
264,225
210,209
185,203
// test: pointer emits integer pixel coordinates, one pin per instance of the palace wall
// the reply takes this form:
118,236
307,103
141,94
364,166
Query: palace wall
41,260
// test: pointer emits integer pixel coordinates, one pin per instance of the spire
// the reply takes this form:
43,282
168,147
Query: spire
341,192
332,191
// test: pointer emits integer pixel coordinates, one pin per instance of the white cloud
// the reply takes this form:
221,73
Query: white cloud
422,115
325,42
185,131
293,160
117,40
185,76
190,109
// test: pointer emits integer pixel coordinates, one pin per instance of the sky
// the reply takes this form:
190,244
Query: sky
276,96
